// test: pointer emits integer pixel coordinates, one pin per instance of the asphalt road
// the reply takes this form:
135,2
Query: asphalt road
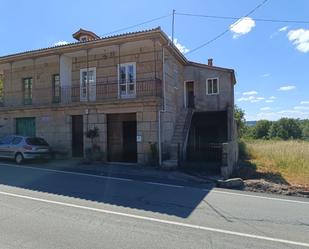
42,208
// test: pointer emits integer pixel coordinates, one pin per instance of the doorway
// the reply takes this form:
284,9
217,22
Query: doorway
129,141
77,136
190,94
121,137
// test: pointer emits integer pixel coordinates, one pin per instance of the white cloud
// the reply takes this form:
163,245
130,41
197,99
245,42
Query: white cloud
269,101
252,99
285,28
265,109
265,75
250,93
304,102
281,114
300,38
272,97
301,107
286,88
61,43
181,47
242,26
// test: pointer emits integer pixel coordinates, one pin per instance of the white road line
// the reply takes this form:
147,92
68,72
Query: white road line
69,172
255,196
166,185
159,184
169,222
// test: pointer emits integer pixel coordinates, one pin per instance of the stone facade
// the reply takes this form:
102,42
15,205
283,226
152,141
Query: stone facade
161,73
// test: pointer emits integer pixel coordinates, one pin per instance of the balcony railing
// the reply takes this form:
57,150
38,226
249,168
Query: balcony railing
101,91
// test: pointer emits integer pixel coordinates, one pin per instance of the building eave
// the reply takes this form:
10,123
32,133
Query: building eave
74,46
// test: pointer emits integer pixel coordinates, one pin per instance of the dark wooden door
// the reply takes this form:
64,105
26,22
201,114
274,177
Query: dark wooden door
77,136
129,141
190,94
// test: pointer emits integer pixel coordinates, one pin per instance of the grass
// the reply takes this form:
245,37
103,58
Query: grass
288,159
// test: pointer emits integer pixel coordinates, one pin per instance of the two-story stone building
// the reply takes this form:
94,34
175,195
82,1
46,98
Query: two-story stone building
138,89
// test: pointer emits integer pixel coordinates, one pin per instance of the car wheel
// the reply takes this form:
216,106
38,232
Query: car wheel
19,158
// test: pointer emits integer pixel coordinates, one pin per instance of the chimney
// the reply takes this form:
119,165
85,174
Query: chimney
210,62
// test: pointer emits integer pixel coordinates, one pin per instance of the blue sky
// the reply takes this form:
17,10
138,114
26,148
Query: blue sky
271,60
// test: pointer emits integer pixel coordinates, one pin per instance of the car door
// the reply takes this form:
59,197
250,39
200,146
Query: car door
15,146
5,146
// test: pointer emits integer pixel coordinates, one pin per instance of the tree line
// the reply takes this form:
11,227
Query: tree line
284,128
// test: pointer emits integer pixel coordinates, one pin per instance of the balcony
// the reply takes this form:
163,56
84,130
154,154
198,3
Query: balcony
99,92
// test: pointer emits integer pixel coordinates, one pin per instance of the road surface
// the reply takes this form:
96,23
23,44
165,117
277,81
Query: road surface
42,208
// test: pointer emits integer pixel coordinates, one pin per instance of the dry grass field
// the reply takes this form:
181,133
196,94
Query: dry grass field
287,159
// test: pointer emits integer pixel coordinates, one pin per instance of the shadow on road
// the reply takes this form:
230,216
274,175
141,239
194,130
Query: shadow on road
180,202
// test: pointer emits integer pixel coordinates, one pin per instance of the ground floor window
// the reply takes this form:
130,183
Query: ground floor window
26,126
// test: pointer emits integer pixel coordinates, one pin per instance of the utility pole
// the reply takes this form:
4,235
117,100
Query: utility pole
173,24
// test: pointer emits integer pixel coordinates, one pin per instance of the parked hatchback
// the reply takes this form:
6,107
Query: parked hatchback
22,148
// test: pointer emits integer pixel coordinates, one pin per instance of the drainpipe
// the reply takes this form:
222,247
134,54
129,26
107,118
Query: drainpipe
162,110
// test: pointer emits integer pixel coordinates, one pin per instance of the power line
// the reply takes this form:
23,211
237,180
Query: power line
237,18
136,25
227,30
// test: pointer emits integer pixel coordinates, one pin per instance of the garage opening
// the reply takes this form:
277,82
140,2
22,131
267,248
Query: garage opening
121,137
207,133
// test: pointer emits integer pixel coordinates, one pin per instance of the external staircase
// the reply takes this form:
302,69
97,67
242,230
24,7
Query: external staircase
180,138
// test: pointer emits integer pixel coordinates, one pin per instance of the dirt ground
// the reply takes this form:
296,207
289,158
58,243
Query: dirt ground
268,182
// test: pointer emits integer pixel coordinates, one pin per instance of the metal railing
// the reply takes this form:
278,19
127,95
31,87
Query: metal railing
98,92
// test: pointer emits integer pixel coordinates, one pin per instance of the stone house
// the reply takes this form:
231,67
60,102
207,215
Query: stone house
146,99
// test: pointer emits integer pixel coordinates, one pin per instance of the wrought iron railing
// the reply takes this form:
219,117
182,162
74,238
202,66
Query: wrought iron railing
101,91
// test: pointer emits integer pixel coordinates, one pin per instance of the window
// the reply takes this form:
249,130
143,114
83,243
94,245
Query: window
27,87
7,140
127,80
56,88
212,86
88,84
17,140
36,141
83,38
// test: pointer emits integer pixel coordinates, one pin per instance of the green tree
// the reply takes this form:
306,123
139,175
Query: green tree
305,128
285,128
239,115
261,129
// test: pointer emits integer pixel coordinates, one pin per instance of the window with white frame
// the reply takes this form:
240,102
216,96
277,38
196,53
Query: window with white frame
88,84
127,80
212,86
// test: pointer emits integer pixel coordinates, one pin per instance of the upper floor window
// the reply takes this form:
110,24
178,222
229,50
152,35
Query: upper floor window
27,88
83,38
88,84
56,88
127,80
212,86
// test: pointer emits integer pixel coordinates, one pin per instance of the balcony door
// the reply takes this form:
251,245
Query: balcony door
127,80
88,84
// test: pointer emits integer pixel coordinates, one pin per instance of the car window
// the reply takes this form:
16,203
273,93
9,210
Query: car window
7,140
36,141
17,140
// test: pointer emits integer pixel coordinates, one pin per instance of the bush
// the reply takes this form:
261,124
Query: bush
154,154
242,150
